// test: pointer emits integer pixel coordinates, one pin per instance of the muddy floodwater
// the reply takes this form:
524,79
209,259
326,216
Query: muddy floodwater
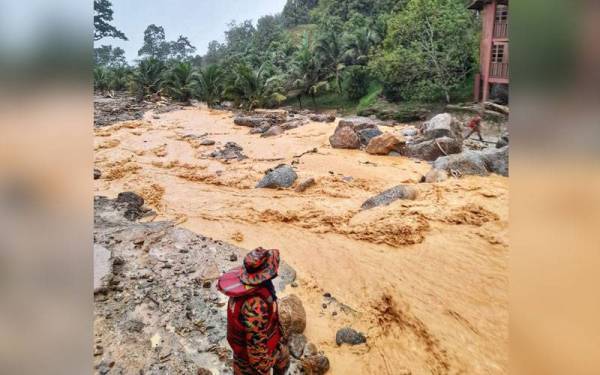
426,279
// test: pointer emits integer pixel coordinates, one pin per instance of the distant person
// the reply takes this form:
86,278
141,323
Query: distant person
253,329
475,126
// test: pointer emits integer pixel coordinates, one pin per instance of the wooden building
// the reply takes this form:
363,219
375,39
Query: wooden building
494,47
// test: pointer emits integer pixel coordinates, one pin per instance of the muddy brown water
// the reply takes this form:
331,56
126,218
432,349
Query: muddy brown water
425,280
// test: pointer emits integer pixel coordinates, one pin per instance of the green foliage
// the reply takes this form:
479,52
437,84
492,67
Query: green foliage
254,88
356,83
148,76
428,52
373,92
103,16
107,56
297,12
101,79
157,47
210,85
180,82
120,78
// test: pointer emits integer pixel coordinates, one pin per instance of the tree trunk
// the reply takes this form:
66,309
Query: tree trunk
300,101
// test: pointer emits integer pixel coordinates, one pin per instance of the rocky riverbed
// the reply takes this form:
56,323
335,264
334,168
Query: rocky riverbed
420,271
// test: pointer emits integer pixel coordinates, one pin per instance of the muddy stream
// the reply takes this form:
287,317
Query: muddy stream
425,280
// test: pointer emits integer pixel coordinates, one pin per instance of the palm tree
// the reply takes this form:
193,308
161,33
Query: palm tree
210,84
119,78
358,45
148,76
254,88
330,50
306,72
101,79
181,82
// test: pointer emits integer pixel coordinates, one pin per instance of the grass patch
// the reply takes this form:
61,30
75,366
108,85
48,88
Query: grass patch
329,101
375,89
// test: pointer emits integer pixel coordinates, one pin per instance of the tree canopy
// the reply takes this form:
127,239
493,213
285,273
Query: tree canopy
103,16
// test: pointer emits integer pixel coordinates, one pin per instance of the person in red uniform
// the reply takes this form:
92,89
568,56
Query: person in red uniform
253,329
475,126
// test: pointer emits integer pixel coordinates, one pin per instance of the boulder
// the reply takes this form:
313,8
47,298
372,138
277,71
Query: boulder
273,131
292,315
442,125
322,117
436,175
296,343
496,160
348,335
282,176
434,148
479,163
305,185
97,174
263,127
293,124
384,144
344,137
231,150
315,364
132,199
250,121
466,163
366,135
389,196
358,123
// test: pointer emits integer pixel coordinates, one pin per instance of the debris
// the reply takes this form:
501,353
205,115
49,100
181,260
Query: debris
317,117
282,176
389,196
350,336
230,151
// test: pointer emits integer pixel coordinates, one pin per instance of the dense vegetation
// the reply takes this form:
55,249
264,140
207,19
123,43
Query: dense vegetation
353,50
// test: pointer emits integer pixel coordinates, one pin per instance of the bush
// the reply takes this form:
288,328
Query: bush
356,84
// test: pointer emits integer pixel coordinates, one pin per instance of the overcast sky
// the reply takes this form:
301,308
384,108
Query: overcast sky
200,20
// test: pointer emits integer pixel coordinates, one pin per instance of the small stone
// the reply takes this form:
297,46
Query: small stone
327,295
324,305
282,176
156,117
97,174
348,335
315,364
233,258
296,343
203,371
207,142
294,284
334,313
206,284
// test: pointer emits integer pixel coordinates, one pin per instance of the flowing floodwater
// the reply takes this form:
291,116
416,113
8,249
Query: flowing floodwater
425,280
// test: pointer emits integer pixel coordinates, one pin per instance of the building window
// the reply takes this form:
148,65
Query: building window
498,53
501,13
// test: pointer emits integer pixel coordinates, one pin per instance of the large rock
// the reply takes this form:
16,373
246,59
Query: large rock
496,160
315,365
282,176
434,148
442,125
292,315
230,151
322,117
389,196
385,143
479,163
358,123
250,121
344,137
348,335
133,204
273,131
366,135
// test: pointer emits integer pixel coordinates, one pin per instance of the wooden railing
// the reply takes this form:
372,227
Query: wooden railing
501,29
499,70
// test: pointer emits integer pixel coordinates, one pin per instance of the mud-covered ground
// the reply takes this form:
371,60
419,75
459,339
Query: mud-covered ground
425,279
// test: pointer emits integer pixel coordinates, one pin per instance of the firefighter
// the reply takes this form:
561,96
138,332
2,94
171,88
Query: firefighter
253,329
475,126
